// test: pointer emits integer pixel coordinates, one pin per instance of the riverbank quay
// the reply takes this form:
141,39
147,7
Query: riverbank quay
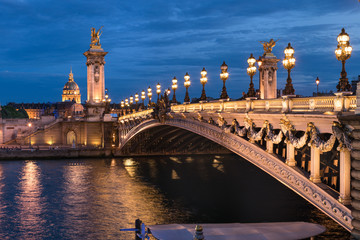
18,153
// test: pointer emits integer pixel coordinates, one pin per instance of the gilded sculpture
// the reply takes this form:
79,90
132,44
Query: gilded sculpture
268,46
95,38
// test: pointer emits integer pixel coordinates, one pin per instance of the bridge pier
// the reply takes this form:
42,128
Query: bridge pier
315,165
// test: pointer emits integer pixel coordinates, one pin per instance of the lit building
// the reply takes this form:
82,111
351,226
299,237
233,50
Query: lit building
71,91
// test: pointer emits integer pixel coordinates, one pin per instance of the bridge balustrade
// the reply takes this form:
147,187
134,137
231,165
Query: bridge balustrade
306,104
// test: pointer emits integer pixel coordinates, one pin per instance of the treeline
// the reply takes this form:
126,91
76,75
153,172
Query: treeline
11,112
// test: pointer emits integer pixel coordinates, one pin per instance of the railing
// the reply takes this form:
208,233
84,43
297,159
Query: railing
136,114
286,104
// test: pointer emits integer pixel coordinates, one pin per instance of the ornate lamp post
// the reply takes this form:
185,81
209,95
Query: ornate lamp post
136,100
343,53
289,63
122,104
187,84
149,95
174,87
143,96
126,104
158,91
224,75
131,101
251,70
29,125
317,85
259,62
203,81
168,92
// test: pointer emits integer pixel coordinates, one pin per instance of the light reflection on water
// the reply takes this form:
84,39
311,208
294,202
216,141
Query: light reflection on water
30,202
94,198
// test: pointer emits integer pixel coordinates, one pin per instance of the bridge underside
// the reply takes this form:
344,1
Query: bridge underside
169,140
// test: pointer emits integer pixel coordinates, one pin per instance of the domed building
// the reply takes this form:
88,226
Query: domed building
71,90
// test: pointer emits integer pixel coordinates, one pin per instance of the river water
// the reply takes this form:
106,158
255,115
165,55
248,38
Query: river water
94,198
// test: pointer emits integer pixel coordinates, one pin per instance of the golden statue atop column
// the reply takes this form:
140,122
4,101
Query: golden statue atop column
95,38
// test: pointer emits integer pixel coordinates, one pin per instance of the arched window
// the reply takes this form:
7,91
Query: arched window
70,137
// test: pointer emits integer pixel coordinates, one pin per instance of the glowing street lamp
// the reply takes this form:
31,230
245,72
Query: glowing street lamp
317,86
289,63
158,91
251,70
174,87
224,75
131,100
343,53
187,84
203,81
143,96
149,94
122,104
29,125
126,102
136,99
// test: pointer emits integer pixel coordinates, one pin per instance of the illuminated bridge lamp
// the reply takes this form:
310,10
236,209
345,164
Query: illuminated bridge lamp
224,75
127,102
289,63
174,87
343,53
149,94
131,100
317,86
158,91
143,96
136,99
187,84
122,104
251,70
203,81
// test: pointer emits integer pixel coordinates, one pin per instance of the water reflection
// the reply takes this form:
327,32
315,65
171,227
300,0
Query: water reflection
2,202
94,198
76,198
30,202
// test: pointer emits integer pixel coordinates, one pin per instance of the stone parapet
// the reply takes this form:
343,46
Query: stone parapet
354,122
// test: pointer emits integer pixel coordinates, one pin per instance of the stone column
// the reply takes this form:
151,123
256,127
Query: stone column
315,165
95,80
268,76
345,168
269,146
290,155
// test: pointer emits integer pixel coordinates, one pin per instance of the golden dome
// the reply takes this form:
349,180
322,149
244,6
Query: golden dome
71,91
71,85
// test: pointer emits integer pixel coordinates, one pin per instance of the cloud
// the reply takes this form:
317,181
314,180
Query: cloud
151,41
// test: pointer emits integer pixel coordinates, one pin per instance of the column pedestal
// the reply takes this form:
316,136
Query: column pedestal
290,155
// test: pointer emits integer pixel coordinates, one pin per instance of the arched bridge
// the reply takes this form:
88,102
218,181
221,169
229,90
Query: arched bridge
301,142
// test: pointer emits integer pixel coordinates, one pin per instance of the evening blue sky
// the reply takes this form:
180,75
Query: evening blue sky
153,41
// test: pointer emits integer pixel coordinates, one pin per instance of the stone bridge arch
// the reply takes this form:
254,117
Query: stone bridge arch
267,162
